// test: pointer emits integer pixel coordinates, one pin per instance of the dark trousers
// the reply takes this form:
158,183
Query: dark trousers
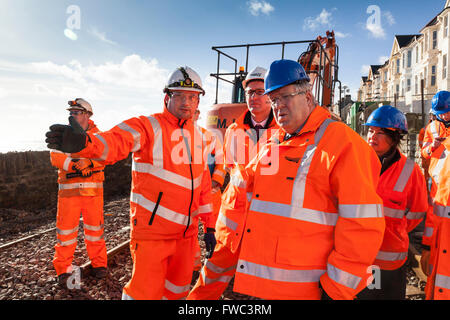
393,286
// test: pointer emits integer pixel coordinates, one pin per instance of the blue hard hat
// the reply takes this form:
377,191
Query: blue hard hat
388,117
283,72
440,103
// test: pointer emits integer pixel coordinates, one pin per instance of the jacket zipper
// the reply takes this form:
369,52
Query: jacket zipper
192,177
155,209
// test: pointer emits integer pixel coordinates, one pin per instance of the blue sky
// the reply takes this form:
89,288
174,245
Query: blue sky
124,51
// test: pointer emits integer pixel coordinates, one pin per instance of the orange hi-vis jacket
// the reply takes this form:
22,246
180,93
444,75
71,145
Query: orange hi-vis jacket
171,184
215,148
240,146
436,129
77,186
317,217
403,190
438,284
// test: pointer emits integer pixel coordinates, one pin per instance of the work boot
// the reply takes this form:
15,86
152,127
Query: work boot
99,273
62,280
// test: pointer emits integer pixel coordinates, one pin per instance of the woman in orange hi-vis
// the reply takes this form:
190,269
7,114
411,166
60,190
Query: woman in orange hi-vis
80,192
314,221
171,186
435,260
404,192
241,142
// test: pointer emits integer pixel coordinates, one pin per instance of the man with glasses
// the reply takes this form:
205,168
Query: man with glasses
315,225
241,143
171,186
80,191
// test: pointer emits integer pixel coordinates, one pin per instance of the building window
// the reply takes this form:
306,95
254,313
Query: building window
408,85
398,65
426,42
417,54
425,77
444,66
445,26
434,39
397,89
433,75
385,76
408,63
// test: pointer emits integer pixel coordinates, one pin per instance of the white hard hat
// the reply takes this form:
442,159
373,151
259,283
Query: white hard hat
256,74
80,104
185,79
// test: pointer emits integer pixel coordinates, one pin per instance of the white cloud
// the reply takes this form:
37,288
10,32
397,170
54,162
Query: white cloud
3,93
389,17
257,7
324,19
341,34
100,36
365,69
376,30
382,59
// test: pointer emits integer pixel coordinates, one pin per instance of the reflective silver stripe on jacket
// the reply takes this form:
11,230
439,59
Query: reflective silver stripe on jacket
205,208
166,175
441,211
278,274
298,190
216,269
288,211
227,221
66,232
80,185
225,278
177,289
360,211
404,175
343,277
393,213
442,281
415,215
158,151
67,163
439,166
162,212
105,152
428,232
391,256
136,136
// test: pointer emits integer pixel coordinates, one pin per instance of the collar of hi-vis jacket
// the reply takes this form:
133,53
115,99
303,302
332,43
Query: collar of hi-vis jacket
315,119
246,119
181,123
91,126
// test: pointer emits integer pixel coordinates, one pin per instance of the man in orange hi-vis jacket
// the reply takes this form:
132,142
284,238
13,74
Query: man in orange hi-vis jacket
242,140
80,191
314,222
171,186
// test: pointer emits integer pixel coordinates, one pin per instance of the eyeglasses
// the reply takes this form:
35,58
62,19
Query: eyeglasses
189,97
251,93
76,112
284,98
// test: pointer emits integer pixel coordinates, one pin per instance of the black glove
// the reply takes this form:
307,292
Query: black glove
69,139
210,242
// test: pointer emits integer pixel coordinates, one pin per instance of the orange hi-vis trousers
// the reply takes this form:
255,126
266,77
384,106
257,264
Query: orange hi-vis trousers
162,269
67,222
216,274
